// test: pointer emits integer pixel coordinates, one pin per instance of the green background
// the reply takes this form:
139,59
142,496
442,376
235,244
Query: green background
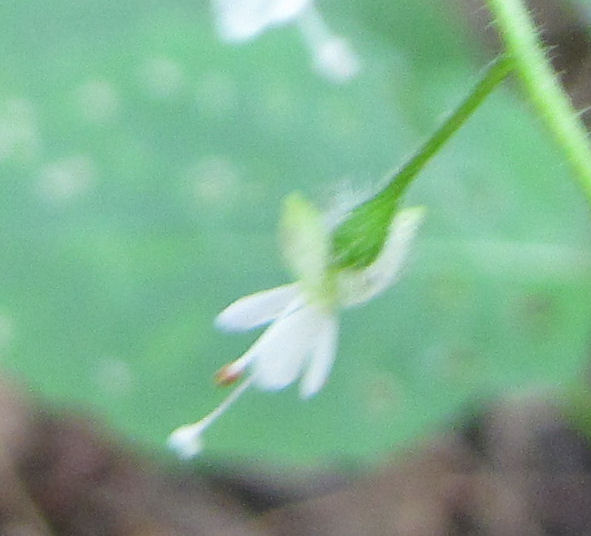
142,167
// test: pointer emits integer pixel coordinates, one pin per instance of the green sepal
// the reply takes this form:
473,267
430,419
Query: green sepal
357,241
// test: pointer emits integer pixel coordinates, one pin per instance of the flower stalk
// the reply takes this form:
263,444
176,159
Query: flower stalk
360,238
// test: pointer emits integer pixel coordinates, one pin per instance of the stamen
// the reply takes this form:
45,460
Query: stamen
228,375
186,440
233,371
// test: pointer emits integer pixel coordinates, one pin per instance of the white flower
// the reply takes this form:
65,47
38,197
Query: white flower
301,341
241,20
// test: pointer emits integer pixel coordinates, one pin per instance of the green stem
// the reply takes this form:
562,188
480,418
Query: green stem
542,87
495,74
359,239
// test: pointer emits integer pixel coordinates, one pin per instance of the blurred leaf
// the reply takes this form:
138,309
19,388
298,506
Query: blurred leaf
142,165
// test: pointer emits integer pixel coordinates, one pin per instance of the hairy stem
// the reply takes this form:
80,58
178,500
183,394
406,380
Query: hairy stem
542,86
495,74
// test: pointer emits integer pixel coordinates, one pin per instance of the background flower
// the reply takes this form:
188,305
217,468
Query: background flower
241,20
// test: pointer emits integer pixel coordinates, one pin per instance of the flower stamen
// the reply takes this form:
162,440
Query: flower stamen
228,375
186,440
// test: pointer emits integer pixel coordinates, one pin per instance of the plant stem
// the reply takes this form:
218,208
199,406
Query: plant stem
360,238
494,74
542,86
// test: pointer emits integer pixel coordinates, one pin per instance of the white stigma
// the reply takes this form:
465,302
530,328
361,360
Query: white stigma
186,440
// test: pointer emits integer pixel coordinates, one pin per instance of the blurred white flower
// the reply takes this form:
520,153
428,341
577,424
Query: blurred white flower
240,20
301,341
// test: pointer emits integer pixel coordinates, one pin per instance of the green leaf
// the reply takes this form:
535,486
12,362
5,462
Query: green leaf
112,272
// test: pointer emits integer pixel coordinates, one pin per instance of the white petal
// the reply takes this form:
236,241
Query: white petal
239,20
257,309
322,358
281,352
359,286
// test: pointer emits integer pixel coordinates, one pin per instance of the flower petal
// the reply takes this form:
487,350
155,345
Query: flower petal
281,352
257,309
359,286
239,20
322,358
